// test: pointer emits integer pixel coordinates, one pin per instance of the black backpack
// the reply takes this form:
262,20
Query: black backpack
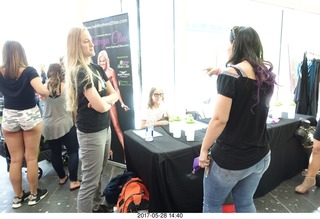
114,187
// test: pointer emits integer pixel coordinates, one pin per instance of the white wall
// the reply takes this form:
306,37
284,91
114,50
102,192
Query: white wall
41,27
310,6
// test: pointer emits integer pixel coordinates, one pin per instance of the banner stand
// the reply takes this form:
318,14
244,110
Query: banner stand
111,41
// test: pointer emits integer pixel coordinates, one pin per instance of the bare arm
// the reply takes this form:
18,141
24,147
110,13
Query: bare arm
101,104
143,123
40,89
112,96
212,71
116,88
163,121
215,127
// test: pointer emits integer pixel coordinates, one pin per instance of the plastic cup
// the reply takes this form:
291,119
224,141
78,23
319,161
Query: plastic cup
177,130
171,125
190,134
291,111
190,129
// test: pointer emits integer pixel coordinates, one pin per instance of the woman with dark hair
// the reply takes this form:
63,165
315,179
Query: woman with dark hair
59,129
235,150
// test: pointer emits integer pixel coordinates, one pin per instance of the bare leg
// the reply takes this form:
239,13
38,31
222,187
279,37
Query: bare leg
314,161
313,168
32,142
14,141
116,125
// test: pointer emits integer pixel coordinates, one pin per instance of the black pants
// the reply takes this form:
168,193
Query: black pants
70,141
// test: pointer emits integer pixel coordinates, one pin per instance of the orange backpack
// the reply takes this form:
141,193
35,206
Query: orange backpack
134,197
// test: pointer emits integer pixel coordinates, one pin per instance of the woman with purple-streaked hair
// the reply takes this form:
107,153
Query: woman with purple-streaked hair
237,136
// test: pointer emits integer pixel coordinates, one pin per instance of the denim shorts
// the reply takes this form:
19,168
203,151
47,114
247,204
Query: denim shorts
16,120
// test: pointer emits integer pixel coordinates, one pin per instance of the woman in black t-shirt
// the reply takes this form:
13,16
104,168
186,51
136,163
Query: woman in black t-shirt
91,95
21,122
237,130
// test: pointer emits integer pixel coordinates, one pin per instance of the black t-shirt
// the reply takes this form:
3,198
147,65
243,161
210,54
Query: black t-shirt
245,139
19,94
89,120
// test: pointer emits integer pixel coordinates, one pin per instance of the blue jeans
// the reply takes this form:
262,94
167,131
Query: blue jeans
242,185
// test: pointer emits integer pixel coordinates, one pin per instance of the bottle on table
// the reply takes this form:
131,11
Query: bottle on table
149,128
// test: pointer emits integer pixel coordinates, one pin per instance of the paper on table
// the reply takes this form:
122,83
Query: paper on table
142,133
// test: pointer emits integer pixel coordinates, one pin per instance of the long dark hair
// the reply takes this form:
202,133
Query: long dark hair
247,46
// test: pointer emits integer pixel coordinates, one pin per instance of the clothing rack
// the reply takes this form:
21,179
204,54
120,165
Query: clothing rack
314,55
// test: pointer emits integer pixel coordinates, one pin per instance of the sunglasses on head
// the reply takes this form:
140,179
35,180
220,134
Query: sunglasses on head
233,31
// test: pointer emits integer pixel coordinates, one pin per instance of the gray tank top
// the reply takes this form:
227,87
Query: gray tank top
57,121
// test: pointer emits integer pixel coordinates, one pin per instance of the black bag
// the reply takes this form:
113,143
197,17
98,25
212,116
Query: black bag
114,187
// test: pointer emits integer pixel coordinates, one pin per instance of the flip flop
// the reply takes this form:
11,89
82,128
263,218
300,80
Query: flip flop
64,181
77,187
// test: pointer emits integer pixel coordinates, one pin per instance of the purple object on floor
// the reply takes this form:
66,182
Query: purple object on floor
196,166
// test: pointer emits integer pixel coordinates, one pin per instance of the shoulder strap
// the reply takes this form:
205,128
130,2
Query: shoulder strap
237,70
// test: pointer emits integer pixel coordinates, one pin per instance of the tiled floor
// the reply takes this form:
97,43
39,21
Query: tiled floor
59,199
282,199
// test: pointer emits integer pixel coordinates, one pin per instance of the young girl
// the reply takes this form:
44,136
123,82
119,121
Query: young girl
156,108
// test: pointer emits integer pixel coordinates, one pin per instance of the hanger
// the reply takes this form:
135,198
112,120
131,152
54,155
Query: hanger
311,55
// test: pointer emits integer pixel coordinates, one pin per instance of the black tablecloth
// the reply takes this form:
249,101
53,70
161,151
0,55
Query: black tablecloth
165,165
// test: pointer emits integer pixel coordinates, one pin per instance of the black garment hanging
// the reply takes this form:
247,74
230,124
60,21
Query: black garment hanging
314,95
307,89
301,97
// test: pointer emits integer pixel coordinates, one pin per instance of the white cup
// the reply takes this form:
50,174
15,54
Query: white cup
190,134
177,130
291,112
171,126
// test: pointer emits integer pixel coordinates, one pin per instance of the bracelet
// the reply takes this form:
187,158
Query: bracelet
122,105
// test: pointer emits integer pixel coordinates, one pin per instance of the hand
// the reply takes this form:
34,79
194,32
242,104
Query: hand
125,107
204,159
41,97
212,71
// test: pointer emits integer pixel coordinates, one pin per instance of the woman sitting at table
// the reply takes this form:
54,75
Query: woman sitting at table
156,109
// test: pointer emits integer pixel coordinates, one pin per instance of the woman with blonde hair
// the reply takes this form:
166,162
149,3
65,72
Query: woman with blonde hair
104,62
91,95
21,120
